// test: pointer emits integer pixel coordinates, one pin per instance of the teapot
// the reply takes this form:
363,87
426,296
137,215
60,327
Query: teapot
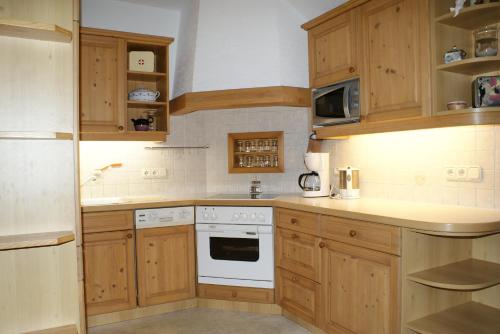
141,124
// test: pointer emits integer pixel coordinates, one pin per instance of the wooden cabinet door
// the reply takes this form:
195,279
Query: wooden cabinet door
109,271
396,75
102,70
165,264
360,290
333,47
298,253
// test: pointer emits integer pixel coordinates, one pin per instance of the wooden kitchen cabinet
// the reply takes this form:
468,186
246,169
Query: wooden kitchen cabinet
360,290
109,271
334,47
396,76
101,71
165,264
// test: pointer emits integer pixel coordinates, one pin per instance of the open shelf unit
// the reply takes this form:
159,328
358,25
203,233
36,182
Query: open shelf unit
34,30
256,152
454,81
36,135
17,241
451,284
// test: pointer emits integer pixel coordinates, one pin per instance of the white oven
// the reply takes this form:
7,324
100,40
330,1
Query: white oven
235,246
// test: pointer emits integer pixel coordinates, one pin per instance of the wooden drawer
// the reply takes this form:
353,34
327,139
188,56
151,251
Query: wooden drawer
107,221
236,293
299,253
379,237
298,220
299,296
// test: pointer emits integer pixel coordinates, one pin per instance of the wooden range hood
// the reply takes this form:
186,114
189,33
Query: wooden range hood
241,98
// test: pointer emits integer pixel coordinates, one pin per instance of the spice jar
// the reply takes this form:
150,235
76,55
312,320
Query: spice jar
486,41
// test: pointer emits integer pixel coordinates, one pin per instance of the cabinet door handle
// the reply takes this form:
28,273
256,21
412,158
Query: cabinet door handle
294,221
353,233
120,127
322,244
234,294
352,69
294,278
129,235
295,236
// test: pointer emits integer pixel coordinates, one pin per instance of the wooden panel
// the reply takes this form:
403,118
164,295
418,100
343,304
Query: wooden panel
333,49
101,83
236,293
337,11
69,329
298,221
165,264
299,253
35,240
109,271
380,237
396,77
299,296
34,30
107,221
241,98
125,136
360,290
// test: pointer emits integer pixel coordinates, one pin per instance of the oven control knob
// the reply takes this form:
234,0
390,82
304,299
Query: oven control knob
213,216
244,216
236,216
206,215
261,217
253,216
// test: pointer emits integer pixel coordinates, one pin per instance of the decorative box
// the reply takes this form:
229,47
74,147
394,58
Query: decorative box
454,54
143,61
487,91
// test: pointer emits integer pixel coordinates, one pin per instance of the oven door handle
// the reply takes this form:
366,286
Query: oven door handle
234,234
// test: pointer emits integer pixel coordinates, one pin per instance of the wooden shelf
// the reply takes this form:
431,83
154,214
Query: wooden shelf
158,136
35,240
472,66
473,17
34,30
36,135
145,76
469,318
465,275
256,153
241,98
145,104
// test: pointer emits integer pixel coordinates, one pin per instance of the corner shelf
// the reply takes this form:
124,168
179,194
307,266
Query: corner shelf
34,30
36,135
473,17
464,275
145,104
145,76
472,66
467,318
17,241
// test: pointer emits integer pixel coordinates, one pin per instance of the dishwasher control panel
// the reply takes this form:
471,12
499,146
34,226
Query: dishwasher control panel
163,217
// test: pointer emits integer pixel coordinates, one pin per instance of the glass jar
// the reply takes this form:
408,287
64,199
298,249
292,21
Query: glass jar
248,146
275,161
274,146
241,146
241,161
260,146
486,41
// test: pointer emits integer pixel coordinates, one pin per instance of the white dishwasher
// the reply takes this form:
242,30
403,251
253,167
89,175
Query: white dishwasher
163,217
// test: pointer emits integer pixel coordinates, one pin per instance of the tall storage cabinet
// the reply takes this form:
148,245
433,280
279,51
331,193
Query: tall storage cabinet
40,287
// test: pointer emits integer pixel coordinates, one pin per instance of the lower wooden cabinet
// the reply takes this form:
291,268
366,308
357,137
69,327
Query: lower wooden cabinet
360,290
299,296
109,271
165,264
236,293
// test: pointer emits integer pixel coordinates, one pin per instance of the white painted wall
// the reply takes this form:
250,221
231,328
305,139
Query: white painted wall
131,17
309,9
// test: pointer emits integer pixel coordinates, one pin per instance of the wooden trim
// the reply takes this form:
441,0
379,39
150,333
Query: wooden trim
69,329
159,136
17,241
236,293
36,135
141,38
333,13
34,30
226,305
241,98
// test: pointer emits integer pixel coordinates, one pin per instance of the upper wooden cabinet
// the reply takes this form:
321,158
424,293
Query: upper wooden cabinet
105,81
165,264
333,50
396,77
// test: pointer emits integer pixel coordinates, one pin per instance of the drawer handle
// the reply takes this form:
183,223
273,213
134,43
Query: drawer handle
295,236
353,233
234,294
322,244
294,221
129,235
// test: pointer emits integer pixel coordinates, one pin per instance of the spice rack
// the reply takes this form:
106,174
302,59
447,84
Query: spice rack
256,152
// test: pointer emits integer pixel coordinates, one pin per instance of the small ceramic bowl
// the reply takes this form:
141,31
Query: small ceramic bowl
141,127
456,105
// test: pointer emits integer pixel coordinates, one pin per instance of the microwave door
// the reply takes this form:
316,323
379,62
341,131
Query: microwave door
329,104
347,112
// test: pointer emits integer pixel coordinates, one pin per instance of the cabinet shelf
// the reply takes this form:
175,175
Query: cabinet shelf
473,17
145,104
463,319
31,240
34,30
472,66
256,153
465,275
36,135
145,76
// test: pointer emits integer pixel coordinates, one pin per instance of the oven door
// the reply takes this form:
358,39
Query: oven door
240,255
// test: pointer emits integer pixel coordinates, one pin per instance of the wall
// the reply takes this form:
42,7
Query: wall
131,17
195,170
410,165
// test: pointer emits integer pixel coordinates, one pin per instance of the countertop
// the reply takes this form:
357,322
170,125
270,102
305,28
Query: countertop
420,216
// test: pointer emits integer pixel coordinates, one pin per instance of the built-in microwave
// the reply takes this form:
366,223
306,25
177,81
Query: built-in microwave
336,104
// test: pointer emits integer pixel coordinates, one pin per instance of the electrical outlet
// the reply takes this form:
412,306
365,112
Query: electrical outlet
154,173
463,173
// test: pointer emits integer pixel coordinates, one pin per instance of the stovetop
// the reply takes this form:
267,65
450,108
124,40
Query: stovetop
244,196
